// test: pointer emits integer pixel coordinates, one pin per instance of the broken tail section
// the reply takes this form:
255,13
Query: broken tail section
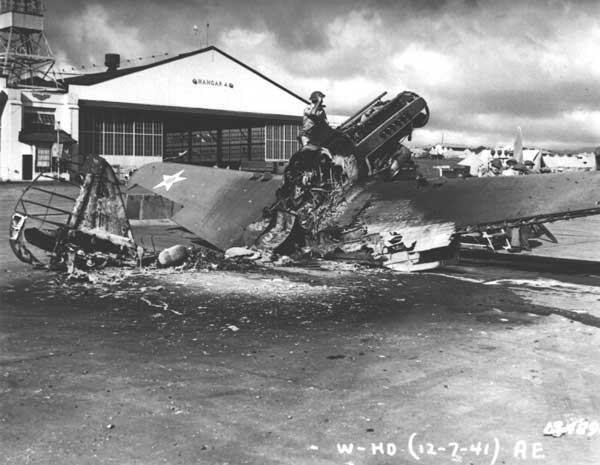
74,220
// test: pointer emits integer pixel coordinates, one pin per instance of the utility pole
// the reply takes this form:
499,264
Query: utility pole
198,33
58,147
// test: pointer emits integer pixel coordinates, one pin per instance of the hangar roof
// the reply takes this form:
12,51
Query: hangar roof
97,78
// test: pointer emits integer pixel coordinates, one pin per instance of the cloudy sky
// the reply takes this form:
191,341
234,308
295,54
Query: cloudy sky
484,66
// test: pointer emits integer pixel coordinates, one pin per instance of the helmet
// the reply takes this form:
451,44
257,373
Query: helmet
316,95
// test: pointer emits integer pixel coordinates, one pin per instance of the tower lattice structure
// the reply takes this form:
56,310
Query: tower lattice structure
24,50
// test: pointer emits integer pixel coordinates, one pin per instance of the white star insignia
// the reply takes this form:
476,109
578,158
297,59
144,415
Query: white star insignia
169,180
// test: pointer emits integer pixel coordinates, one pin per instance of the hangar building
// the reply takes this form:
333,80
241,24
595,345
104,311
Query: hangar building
202,107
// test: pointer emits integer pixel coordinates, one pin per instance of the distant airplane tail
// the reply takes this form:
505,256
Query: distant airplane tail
518,152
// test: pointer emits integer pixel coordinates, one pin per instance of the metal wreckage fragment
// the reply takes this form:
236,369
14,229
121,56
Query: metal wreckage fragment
327,189
83,226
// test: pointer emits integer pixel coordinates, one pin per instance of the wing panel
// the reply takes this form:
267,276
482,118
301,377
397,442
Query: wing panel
475,202
218,204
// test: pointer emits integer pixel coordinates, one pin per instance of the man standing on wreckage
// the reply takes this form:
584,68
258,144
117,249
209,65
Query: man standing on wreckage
316,132
313,119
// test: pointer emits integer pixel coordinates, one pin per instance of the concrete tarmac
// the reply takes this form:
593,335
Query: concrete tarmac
326,364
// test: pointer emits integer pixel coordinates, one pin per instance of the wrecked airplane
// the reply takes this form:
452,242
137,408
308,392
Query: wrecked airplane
356,195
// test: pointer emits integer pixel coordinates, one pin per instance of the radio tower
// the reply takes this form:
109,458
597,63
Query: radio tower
24,49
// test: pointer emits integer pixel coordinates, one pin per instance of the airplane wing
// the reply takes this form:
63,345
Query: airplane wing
218,204
418,221
476,204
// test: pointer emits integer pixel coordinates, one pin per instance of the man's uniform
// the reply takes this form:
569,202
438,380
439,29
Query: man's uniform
314,119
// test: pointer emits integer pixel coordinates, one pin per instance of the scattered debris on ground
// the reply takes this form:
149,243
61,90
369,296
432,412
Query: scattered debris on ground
173,256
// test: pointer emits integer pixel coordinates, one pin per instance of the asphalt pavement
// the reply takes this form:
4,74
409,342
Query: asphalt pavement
326,363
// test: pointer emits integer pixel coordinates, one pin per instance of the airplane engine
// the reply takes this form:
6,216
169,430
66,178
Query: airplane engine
318,178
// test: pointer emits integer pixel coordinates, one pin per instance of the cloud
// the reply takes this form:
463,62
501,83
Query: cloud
484,66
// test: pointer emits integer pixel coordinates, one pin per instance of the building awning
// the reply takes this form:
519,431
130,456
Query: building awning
104,105
45,137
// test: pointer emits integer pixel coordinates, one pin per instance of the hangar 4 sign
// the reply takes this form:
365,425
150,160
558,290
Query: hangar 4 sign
212,82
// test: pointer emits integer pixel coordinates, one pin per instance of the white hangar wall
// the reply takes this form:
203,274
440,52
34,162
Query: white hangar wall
209,80
206,107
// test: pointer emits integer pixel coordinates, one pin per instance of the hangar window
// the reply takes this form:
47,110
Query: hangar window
109,144
234,144
281,141
231,146
204,145
176,144
257,145
111,133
